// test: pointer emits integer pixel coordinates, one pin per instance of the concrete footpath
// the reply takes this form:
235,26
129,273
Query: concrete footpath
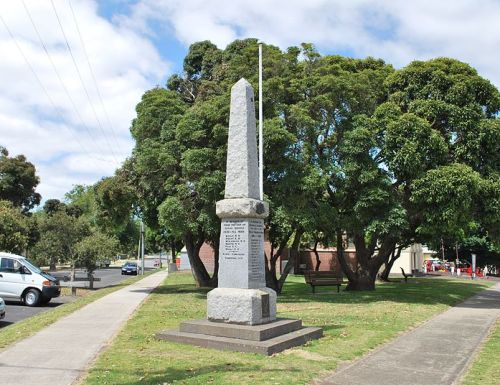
60,353
436,353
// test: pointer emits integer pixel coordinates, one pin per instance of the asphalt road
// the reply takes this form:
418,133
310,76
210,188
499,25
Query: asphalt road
16,311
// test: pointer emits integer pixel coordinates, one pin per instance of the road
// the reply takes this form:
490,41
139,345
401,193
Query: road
16,311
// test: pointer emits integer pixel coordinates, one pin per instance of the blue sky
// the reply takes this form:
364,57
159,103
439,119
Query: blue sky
122,48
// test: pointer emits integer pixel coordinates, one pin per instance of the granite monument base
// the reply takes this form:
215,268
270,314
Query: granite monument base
266,339
241,306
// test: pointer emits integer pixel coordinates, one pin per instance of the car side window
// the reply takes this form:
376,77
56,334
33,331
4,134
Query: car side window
9,265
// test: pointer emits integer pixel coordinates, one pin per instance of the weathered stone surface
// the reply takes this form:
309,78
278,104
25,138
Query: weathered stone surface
242,173
245,332
242,208
241,254
242,306
267,347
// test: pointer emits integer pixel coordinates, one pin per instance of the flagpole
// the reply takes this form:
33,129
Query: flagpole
261,139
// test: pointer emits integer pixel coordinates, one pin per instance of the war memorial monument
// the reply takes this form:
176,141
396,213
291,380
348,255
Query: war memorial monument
241,311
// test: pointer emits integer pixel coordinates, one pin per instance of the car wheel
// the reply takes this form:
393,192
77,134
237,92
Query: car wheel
32,297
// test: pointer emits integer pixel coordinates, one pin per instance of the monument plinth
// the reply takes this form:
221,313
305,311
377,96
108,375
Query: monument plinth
241,311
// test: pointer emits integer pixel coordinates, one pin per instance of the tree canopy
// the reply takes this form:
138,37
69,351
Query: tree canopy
352,146
18,181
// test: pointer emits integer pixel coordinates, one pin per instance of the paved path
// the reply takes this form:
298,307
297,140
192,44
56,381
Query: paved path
436,353
60,353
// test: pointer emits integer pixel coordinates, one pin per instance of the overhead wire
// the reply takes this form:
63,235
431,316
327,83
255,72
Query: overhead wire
93,76
61,81
44,89
82,81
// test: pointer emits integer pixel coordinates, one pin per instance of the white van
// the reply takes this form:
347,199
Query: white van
23,281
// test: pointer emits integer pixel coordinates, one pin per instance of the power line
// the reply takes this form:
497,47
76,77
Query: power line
68,94
57,109
93,76
81,81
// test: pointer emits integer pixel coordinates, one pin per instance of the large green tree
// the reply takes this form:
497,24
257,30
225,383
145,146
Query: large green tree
419,166
59,235
14,229
93,250
18,181
350,148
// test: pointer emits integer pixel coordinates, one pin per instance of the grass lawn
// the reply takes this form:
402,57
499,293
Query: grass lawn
353,323
30,326
486,368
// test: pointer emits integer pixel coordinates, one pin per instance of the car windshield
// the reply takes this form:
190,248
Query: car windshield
131,264
31,266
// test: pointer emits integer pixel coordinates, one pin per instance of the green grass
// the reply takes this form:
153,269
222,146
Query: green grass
486,368
29,326
353,324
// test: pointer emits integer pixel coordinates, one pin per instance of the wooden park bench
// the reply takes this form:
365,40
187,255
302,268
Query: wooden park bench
323,278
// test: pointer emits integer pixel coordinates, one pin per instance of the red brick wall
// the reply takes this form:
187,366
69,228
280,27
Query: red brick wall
328,258
207,257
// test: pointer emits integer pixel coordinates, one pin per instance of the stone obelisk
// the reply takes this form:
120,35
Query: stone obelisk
242,296
241,311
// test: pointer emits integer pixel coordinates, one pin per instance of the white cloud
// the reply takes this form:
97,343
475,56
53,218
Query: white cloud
397,31
67,144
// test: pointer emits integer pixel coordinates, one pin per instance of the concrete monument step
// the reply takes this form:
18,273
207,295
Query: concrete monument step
245,332
267,347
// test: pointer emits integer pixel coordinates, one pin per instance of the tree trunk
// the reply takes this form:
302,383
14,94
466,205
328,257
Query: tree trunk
271,271
384,276
172,246
318,261
346,269
365,280
198,269
362,276
90,276
215,277
73,272
294,252
271,278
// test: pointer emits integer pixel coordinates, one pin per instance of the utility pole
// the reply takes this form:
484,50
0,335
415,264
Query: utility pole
139,253
142,248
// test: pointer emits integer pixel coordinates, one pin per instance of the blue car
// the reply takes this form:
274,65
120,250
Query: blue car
129,268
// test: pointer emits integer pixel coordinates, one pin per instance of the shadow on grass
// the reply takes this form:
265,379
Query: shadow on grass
171,375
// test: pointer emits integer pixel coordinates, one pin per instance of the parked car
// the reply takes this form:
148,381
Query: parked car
23,281
103,263
129,268
2,308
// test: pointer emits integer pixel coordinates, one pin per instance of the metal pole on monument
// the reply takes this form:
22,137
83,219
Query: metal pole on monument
261,124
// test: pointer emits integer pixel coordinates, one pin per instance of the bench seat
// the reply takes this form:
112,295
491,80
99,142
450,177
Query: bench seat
323,278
